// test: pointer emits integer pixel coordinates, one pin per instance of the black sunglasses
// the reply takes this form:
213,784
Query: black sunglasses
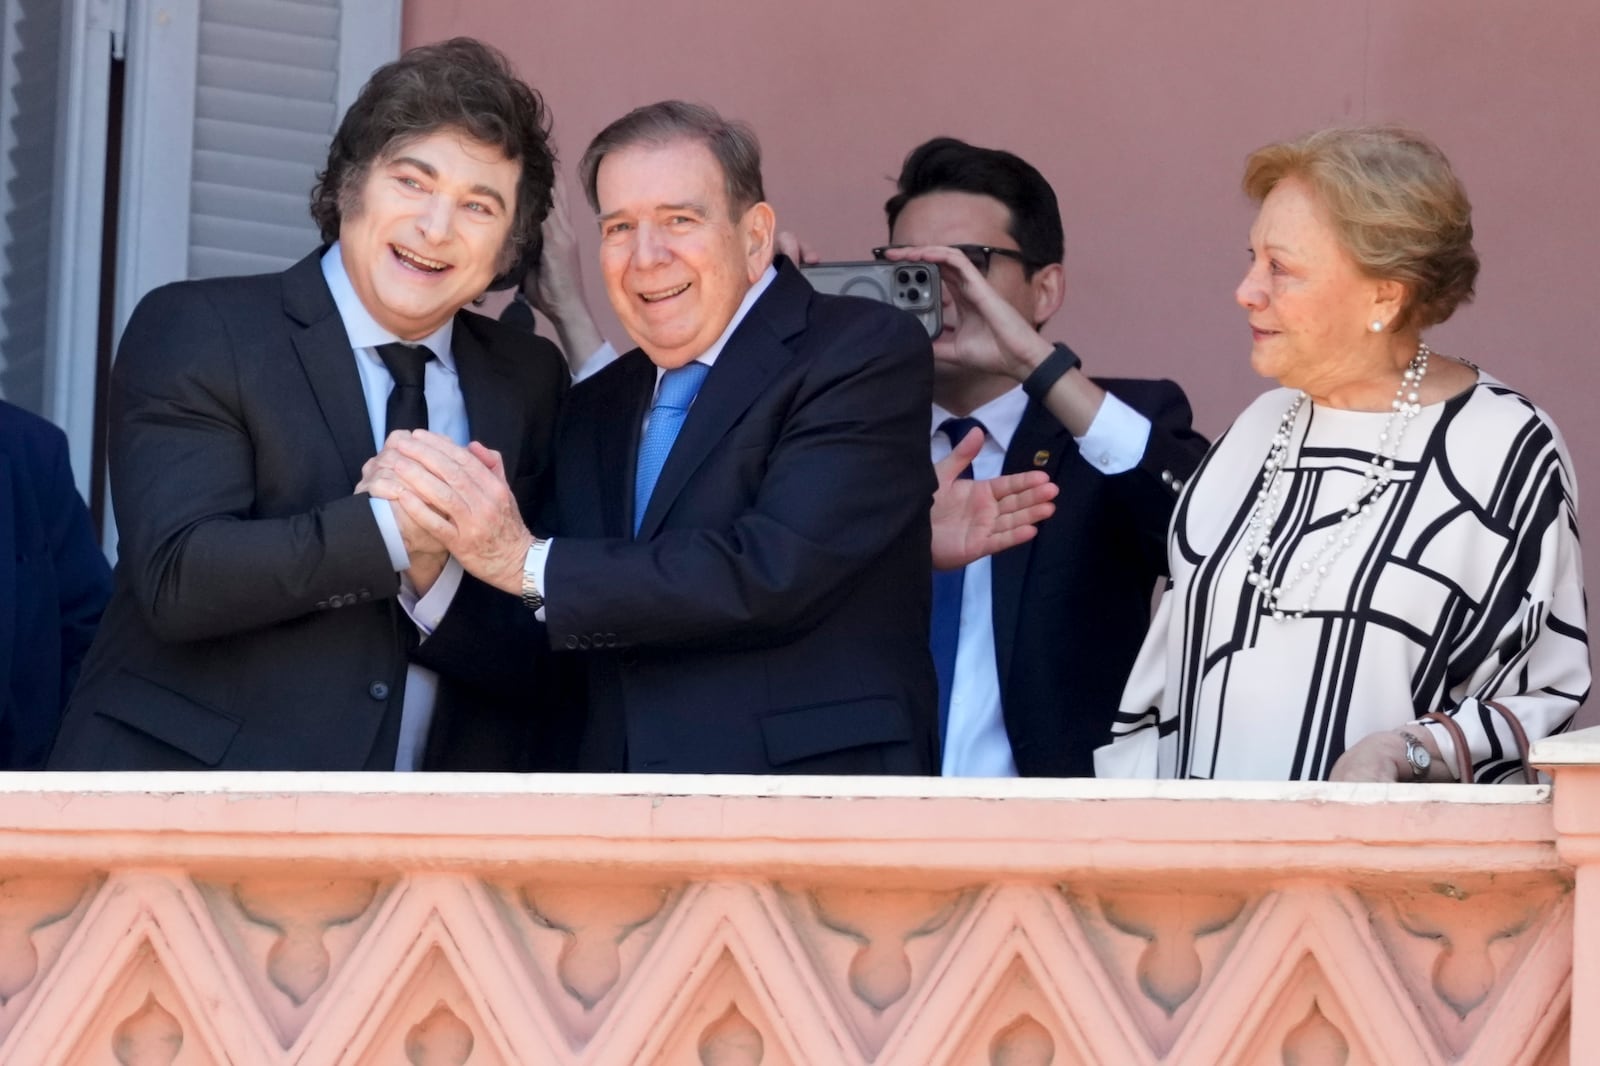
979,255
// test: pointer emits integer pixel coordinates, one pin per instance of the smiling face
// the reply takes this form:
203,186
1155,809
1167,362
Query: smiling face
676,263
426,232
1310,306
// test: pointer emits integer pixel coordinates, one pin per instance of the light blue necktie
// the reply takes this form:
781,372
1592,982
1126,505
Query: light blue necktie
677,391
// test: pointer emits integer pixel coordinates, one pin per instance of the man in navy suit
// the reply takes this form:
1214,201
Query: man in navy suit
269,613
741,549
53,585
1036,640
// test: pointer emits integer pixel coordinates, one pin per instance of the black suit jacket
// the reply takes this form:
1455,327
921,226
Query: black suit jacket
1072,605
254,623
772,615
53,585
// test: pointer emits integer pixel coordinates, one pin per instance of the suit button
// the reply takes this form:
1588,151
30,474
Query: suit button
335,601
1177,484
572,642
1166,477
378,690
364,595
322,605
584,643
611,640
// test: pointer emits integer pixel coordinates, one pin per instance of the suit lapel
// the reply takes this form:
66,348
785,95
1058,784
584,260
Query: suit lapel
753,356
494,410
1038,432
325,356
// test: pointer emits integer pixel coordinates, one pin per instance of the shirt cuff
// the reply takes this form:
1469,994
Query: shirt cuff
541,558
1116,439
428,610
603,357
383,512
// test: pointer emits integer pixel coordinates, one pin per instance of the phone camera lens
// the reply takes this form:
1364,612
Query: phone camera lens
922,277
903,276
912,295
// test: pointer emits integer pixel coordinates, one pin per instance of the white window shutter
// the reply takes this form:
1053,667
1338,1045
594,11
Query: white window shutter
30,66
230,106
55,61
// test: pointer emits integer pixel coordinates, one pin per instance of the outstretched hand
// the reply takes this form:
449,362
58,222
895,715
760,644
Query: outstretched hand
972,519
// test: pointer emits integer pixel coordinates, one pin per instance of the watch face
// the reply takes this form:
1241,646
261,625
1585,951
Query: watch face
1417,756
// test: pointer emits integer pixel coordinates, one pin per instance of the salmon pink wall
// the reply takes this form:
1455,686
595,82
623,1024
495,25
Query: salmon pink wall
1140,112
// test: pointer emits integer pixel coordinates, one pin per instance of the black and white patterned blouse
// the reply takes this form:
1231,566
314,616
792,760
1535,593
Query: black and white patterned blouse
1463,583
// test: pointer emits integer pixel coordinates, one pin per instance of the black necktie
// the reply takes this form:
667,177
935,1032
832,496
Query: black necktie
408,404
946,628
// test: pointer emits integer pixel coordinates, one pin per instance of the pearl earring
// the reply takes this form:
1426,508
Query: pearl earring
1377,325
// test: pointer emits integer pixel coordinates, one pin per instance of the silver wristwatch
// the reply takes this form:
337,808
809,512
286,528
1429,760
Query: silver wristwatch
1417,756
532,598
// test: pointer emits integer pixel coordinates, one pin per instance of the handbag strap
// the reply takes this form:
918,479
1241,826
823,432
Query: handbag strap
1518,734
1463,757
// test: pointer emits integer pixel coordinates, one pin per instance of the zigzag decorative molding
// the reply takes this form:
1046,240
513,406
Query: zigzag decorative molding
246,941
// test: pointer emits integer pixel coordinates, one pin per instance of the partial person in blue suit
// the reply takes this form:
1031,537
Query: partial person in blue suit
54,583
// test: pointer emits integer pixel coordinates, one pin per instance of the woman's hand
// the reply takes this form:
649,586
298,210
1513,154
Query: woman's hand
1382,757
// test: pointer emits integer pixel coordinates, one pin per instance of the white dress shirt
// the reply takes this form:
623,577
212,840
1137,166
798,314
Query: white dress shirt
976,743
447,416
607,354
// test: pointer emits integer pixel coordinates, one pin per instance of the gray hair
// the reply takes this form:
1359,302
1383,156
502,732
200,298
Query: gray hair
733,144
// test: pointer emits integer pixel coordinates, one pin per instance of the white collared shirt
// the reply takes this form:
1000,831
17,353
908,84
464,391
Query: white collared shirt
447,416
976,743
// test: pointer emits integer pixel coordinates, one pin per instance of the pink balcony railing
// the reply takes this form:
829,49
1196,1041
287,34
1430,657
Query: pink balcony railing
187,920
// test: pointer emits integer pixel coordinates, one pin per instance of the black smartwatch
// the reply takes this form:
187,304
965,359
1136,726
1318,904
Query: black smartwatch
1044,377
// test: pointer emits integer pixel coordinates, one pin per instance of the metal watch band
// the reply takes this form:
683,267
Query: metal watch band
532,599
1417,755
1044,377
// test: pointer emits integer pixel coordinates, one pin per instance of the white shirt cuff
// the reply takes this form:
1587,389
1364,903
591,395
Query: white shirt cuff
1116,439
428,610
383,512
541,557
603,357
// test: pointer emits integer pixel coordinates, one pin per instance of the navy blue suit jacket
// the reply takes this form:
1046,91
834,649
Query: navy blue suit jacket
254,624
772,614
53,585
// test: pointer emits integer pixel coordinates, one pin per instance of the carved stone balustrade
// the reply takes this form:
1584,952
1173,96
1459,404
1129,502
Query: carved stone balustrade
276,919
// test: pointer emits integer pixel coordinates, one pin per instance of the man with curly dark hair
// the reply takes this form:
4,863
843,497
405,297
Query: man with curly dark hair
269,613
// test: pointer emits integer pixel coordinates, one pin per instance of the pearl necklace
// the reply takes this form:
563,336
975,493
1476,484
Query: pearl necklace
1264,514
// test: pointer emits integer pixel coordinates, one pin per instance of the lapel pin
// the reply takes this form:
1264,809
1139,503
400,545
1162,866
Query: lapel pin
1041,457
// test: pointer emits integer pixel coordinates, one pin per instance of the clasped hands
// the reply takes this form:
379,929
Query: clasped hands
455,501
450,501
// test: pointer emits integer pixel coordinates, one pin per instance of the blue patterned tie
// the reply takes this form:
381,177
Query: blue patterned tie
945,633
677,391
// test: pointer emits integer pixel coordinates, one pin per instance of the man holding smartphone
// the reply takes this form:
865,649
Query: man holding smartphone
1032,645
